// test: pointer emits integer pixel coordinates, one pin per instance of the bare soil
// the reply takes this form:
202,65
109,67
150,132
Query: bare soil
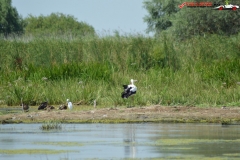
181,114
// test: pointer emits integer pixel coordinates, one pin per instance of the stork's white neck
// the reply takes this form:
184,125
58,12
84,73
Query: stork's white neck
132,81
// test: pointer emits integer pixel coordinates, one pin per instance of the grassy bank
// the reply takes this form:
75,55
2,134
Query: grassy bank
200,71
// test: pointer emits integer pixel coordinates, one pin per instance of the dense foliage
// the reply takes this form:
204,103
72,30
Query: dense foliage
10,20
199,71
160,12
187,22
56,23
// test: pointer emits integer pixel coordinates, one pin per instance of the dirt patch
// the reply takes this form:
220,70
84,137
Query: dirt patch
226,115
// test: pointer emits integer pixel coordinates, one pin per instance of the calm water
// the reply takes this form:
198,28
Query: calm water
119,141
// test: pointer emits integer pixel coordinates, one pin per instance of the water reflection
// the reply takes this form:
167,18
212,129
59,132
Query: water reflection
118,141
130,148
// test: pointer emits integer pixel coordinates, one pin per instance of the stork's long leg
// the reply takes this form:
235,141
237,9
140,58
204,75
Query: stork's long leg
133,100
128,100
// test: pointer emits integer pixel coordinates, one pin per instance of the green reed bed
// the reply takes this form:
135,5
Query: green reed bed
50,125
201,71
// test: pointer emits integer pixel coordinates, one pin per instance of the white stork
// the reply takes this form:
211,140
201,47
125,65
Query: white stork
129,90
70,105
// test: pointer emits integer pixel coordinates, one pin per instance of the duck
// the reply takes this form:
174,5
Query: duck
25,107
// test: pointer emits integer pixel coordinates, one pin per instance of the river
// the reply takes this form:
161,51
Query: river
120,141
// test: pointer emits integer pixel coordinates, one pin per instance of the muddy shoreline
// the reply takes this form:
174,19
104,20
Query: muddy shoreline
177,114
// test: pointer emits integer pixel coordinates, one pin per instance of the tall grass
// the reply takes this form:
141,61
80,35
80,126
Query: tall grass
202,71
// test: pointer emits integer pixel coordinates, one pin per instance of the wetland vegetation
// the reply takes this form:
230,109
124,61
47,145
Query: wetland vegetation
176,70
51,125
189,61
201,71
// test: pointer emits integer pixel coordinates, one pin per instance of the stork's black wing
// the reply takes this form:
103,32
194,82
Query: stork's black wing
125,86
126,92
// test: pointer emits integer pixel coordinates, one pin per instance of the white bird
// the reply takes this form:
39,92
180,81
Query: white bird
70,105
129,89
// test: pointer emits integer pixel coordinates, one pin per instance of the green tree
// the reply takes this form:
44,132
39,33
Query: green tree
201,21
10,20
57,23
188,22
159,16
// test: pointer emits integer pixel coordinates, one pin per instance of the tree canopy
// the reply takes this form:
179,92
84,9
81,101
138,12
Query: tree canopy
10,20
188,22
159,14
57,23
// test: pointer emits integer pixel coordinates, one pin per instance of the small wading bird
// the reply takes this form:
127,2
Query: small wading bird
43,106
70,106
129,90
62,107
25,107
